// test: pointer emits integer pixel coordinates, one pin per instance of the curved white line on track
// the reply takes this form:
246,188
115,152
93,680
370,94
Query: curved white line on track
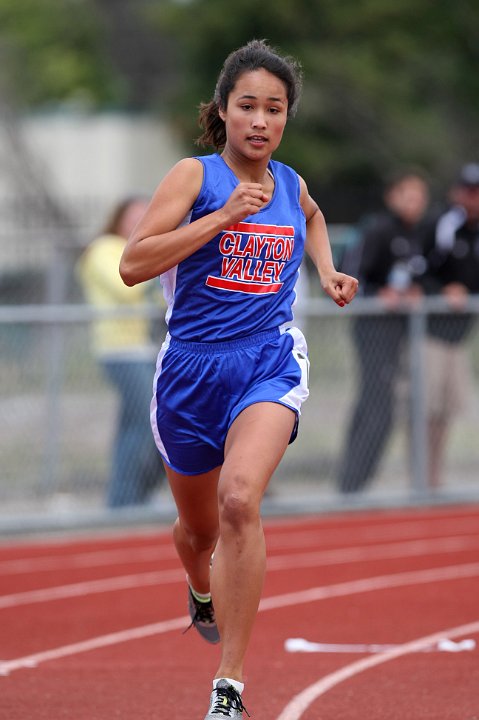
301,702
90,587
319,558
32,661
381,582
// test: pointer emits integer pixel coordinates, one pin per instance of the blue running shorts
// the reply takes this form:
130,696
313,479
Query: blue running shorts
201,388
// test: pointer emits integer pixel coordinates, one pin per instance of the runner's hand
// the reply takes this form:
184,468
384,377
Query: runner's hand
340,287
246,199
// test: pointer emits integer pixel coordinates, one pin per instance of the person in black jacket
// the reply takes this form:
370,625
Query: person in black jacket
452,254
389,262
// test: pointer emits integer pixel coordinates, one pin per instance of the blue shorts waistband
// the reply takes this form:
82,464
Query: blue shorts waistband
226,345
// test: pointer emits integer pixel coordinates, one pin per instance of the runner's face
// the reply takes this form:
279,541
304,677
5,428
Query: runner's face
256,114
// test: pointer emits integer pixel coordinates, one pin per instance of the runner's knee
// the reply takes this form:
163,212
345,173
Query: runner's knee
199,539
238,504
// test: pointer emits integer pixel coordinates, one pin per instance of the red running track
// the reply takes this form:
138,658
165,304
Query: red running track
91,628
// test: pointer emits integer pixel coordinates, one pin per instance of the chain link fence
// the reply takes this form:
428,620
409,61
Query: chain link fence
59,410
58,414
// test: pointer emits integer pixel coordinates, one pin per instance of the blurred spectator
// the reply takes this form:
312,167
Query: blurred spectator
389,262
453,271
125,351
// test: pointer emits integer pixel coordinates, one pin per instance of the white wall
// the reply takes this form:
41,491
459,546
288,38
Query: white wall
106,155
87,163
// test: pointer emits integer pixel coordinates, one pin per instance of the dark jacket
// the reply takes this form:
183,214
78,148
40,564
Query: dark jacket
389,253
452,254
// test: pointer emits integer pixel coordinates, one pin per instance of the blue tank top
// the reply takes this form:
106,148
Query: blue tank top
243,280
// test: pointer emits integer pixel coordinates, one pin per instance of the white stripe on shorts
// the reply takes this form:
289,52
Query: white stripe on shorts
154,404
297,395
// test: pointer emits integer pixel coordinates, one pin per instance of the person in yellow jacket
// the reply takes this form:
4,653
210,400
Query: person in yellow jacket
127,355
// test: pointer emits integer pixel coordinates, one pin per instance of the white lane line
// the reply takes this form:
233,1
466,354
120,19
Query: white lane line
94,558
301,702
363,553
32,661
278,563
275,541
395,529
381,582
155,554
89,587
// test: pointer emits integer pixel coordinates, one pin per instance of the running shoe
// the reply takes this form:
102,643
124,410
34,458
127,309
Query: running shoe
203,618
225,703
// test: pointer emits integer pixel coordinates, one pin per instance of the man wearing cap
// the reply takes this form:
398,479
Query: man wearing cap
453,272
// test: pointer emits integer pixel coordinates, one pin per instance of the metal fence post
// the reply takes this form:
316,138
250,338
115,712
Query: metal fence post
55,359
419,433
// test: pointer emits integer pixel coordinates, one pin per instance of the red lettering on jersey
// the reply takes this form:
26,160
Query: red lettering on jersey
254,267
227,243
257,276
250,247
247,270
278,269
260,243
236,268
278,249
288,248
226,265
269,241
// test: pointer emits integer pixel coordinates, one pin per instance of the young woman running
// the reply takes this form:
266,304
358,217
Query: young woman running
226,233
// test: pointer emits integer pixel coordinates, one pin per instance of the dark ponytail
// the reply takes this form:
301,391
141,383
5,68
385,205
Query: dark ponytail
214,131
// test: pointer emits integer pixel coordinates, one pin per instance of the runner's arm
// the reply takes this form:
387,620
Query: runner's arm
158,242
340,287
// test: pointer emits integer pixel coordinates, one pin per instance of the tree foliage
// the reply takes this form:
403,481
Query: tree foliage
51,52
386,83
